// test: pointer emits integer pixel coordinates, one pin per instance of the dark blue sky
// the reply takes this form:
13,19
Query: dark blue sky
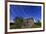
25,11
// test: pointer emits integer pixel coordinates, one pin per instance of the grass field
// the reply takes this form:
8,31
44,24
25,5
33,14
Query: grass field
36,25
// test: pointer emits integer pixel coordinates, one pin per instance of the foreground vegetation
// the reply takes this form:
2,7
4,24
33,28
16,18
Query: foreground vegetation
36,25
18,23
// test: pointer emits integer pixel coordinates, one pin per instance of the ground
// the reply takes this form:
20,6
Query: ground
36,25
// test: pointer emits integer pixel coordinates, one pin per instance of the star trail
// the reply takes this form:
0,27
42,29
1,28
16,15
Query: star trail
25,11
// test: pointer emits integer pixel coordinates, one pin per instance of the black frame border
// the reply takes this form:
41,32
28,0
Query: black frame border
6,1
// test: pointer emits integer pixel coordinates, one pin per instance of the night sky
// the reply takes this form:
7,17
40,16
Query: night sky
25,11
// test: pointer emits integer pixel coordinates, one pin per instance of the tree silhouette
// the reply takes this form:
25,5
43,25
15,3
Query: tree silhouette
18,21
38,21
